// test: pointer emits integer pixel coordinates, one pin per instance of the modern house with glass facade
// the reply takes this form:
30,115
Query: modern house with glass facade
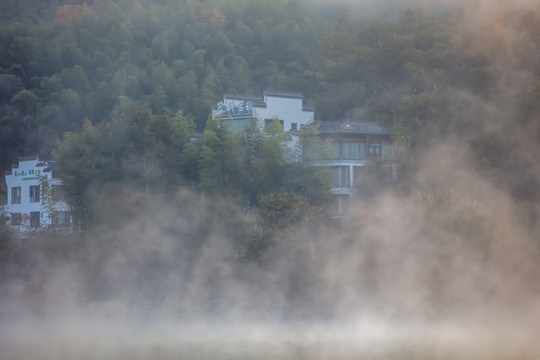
35,198
358,154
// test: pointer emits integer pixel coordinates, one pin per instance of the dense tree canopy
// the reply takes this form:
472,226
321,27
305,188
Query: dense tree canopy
121,90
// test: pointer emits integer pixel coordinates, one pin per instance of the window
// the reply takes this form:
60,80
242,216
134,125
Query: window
353,151
374,149
35,219
16,219
34,193
58,193
340,176
294,126
60,218
16,195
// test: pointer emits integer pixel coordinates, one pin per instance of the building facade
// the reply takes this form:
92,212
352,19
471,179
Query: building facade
35,198
359,155
238,111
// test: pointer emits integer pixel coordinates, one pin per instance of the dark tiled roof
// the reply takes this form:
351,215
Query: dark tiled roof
352,127
284,94
25,158
257,100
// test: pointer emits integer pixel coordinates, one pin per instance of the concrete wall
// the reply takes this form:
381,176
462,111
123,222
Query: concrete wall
288,109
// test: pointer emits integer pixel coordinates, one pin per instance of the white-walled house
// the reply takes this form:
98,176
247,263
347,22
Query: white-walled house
237,111
35,198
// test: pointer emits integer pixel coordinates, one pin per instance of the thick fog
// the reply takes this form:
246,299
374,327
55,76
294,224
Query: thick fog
439,274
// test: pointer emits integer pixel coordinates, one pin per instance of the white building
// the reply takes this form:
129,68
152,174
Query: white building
237,111
35,198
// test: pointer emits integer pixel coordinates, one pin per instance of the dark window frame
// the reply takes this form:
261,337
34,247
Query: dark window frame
35,193
16,199
340,176
375,149
35,219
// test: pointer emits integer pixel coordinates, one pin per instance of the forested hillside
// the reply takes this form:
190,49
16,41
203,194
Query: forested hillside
110,83
65,61
176,220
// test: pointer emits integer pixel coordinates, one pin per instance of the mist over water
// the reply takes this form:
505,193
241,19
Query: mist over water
448,271
428,276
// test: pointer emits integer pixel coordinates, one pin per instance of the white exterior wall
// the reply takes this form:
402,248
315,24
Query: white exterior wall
288,109
25,176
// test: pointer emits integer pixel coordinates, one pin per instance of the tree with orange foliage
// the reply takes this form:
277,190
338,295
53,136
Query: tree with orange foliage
67,13
212,15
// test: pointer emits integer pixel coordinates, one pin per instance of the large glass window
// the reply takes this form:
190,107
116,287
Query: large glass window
349,150
340,176
353,151
16,195
34,193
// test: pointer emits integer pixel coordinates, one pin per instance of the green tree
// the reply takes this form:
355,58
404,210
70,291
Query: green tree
211,155
279,216
152,143
268,166
27,100
80,163
71,105
6,240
